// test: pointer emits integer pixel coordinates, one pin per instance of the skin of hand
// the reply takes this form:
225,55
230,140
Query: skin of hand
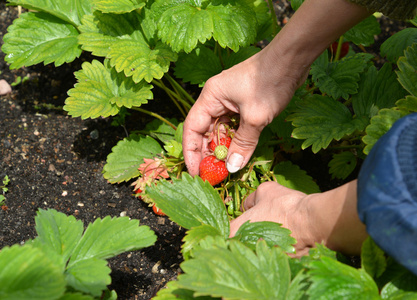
259,88
330,218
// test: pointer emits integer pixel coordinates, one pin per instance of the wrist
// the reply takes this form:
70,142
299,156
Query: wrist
336,221
313,27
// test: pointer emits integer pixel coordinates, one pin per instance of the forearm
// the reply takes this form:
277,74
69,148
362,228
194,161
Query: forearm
338,207
313,27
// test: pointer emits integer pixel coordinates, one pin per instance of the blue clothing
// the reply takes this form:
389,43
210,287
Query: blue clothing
387,192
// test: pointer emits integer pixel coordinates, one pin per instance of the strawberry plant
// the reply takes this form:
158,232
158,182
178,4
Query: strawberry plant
65,261
250,266
346,104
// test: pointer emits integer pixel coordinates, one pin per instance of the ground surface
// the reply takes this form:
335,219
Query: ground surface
55,161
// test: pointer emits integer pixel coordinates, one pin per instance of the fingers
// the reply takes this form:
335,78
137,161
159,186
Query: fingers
253,120
195,126
199,121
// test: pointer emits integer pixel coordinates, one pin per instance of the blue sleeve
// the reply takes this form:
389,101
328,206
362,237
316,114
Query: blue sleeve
387,192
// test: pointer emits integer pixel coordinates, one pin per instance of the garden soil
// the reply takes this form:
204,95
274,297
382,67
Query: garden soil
56,161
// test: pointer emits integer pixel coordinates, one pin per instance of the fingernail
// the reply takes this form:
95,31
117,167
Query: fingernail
234,163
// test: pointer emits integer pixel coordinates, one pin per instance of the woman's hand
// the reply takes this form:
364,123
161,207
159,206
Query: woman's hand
259,88
276,203
247,90
330,218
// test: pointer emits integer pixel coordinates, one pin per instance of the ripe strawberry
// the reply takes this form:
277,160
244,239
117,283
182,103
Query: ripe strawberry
223,141
213,170
157,211
343,52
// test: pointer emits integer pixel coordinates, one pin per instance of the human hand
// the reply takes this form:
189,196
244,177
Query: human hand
247,89
259,88
330,218
276,203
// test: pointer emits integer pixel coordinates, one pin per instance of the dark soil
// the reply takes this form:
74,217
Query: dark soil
55,161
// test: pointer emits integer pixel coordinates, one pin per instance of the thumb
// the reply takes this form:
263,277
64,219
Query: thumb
242,147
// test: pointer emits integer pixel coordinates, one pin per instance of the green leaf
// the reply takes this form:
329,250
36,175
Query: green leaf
342,164
76,296
160,130
198,66
68,11
190,202
377,89
364,32
138,60
183,24
173,149
334,280
101,91
194,236
90,276
295,4
234,24
298,286
272,233
27,273
407,74
405,282
380,124
237,57
38,37
100,31
126,157
238,273
373,259
174,292
339,78
263,17
58,232
408,103
118,7
395,45
320,120
109,237
291,176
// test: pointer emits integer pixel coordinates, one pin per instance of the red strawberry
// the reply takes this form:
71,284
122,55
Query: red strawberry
213,170
223,141
157,211
343,51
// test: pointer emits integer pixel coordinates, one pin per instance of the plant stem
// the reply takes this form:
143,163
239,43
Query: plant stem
178,87
273,18
155,115
339,48
173,96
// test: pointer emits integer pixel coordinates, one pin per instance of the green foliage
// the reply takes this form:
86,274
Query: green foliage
291,176
4,189
127,155
113,91
66,262
189,202
40,37
341,111
339,78
237,272
342,164
320,120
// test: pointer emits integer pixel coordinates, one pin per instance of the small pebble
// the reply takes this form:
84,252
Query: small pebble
5,87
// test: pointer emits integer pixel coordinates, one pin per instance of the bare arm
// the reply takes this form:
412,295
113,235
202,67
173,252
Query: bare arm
259,88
